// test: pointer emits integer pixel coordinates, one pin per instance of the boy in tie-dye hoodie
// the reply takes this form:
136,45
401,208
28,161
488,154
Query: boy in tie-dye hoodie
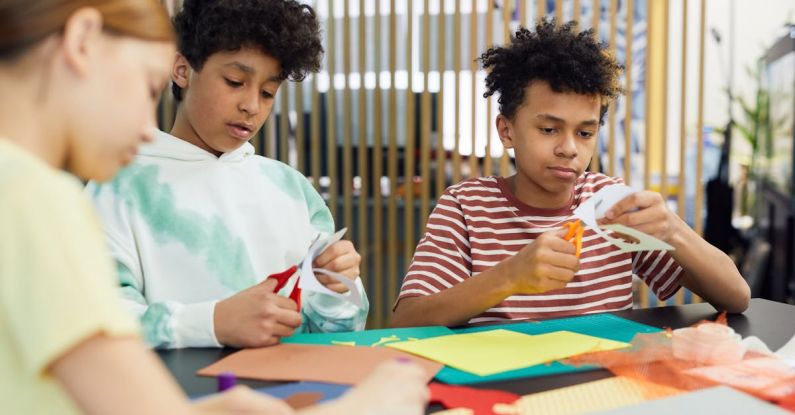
199,221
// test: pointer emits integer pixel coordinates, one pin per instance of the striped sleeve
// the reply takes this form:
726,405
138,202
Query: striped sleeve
442,258
659,271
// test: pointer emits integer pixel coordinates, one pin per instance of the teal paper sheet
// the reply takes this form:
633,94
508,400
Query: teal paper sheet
369,337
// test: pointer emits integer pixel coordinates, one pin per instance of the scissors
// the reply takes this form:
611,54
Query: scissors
574,234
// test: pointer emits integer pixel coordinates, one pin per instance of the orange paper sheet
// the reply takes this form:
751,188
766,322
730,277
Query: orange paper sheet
295,362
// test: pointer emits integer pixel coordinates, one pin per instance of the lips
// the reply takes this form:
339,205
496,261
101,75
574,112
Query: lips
564,173
241,131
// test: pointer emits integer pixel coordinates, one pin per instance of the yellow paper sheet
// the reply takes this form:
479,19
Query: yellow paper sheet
489,352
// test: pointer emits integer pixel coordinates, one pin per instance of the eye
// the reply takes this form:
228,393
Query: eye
586,134
267,95
233,84
548,131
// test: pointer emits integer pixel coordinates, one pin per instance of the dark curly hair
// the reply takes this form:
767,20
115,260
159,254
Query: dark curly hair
567,60
286,30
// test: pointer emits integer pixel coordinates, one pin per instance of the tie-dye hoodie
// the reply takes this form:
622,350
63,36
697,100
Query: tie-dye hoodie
188,229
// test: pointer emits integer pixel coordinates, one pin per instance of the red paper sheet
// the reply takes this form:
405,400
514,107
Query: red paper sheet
481,401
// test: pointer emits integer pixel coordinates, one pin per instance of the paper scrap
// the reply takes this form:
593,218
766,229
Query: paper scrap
489,352
480,401
295,362
595,208
297,394
308,280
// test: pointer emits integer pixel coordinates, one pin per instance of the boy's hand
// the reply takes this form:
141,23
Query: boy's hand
393,388
644,211
341,257
548,263
255,317
242,400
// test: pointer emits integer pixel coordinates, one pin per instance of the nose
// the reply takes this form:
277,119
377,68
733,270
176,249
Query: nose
250,102
567,146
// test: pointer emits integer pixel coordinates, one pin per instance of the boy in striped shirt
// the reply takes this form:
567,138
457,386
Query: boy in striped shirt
494,247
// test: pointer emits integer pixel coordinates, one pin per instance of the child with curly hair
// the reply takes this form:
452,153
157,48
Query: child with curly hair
199,221
494,248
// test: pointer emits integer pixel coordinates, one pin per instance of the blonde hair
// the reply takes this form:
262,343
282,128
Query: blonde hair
24,23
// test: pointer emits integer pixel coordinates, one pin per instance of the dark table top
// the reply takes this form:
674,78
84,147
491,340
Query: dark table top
772,322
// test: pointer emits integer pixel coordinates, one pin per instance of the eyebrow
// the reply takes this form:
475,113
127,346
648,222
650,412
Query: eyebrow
251,71
550,117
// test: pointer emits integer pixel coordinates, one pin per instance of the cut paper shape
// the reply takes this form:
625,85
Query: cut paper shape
480,401
495,351
588,397
302,362
601,325
302,394
368,337
385,340
644,242
303,399
595,208
308,280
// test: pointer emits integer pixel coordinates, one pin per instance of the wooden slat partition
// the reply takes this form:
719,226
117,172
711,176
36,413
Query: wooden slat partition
698,221
347,133
595,18
392,167
488,168
378,306
630,12
681,180
331,111
410,146
611,115
425,122
456,91
559,11
474,170
362,240
441,154
284,122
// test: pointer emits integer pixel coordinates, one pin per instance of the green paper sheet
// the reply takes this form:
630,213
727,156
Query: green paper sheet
369,337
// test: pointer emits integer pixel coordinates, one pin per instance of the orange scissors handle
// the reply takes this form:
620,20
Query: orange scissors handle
575,233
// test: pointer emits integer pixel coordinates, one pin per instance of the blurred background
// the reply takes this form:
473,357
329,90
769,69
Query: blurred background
397,114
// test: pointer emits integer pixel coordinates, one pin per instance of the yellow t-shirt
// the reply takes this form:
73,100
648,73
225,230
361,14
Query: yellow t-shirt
57,284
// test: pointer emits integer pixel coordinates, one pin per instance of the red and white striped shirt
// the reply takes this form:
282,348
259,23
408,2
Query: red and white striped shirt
479,222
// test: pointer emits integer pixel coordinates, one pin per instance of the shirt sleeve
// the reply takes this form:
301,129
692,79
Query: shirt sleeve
168,324
56,282
442,258
659,271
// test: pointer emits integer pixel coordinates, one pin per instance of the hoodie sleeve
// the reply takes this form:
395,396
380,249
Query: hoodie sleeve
321,312
165,324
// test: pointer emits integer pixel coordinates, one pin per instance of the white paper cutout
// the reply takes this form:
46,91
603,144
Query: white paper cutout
308,280
645,242
595,208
